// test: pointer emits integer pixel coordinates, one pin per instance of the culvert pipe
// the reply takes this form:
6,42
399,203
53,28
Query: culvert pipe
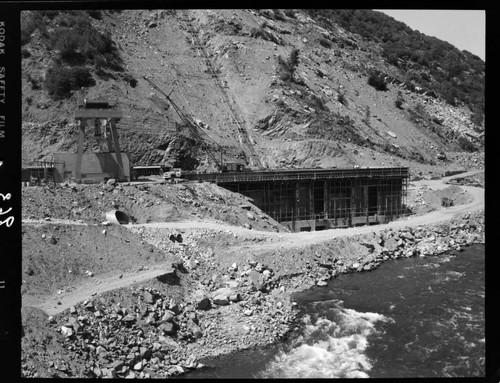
117,217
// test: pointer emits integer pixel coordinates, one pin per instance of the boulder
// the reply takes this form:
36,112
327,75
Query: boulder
257,280
193,328
221,299
73,322
201,300
148,297
167,343
191,264
391,245
67,331
168,316
266,274
234,297
167,328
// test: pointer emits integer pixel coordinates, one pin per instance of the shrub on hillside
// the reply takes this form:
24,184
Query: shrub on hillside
35,85
78,42
60,81
377,82
465,144
287,67
284,71
29,23
399,100
278,14
294,58
325,42
342,99
315,102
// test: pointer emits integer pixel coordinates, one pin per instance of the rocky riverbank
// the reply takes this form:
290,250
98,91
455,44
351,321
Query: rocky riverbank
148,331
393,244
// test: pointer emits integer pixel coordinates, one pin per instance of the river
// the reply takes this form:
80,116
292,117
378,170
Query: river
412,317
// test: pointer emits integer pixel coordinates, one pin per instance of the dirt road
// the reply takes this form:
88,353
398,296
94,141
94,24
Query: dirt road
289,240
112,280
98,284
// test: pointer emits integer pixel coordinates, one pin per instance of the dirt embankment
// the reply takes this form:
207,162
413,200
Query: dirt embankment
144,202
141,302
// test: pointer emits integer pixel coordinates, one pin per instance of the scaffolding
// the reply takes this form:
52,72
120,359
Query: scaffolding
323,198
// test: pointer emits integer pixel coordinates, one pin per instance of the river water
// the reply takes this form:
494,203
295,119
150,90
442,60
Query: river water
416,317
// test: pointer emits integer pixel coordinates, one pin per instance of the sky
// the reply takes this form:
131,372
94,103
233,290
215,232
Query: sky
465,29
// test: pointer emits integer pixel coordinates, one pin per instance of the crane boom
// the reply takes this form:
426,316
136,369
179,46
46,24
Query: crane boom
189,122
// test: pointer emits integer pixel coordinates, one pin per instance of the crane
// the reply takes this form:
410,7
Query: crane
191,124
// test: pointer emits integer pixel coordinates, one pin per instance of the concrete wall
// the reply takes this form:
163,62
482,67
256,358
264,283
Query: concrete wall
96,166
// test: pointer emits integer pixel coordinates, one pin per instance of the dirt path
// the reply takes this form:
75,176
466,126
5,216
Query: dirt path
112,280
98,284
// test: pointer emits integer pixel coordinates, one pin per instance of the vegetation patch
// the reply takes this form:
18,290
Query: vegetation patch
325,42
78,42
377,82
399,101
61,80
456,76
287,67
80,49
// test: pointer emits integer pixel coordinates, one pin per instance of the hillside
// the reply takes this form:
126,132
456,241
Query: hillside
273,88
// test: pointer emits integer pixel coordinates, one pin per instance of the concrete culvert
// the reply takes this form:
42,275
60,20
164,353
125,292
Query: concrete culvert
117,217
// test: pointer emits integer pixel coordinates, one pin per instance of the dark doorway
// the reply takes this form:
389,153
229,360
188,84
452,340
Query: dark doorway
372,200
319,200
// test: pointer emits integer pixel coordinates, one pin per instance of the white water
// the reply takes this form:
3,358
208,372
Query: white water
328,348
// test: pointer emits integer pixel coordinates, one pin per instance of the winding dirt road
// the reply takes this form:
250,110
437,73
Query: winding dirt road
112,280
290,240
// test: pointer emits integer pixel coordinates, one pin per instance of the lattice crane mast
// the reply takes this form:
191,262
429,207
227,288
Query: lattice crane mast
190,123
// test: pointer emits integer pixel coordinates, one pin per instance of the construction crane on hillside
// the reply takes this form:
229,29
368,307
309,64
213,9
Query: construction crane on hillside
191,124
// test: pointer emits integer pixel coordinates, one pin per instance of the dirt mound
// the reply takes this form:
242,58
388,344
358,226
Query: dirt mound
145,202
424,199
56,257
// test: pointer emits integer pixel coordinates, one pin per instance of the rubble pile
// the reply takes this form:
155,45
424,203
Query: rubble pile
151,335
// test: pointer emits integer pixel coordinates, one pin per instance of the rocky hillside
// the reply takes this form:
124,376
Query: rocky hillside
271,88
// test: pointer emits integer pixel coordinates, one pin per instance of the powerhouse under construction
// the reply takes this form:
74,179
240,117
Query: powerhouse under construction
319,199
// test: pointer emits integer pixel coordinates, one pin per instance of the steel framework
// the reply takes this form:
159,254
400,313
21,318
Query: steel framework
322,197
